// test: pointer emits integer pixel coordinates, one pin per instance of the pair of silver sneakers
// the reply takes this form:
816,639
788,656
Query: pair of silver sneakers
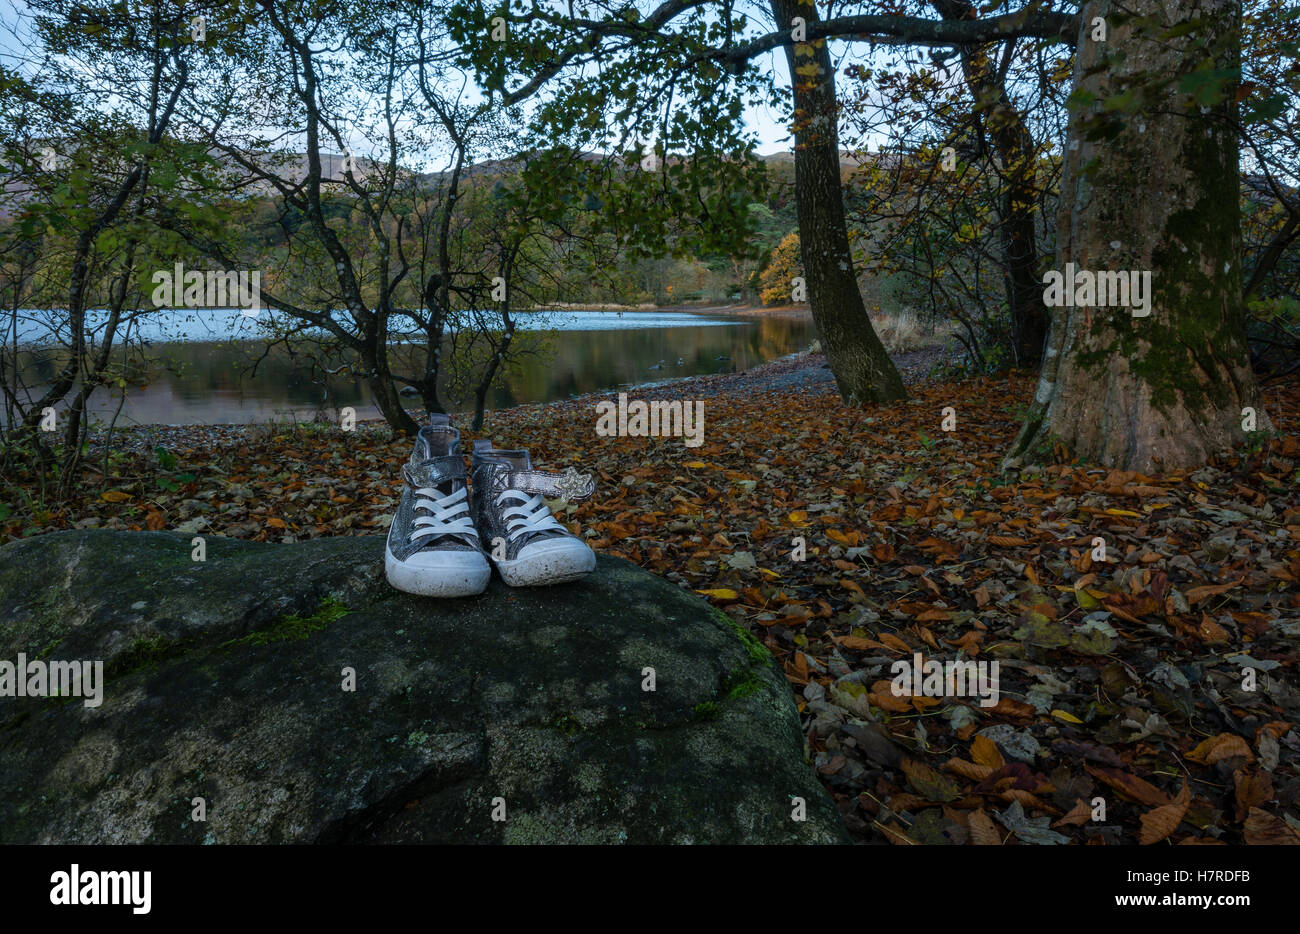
441,538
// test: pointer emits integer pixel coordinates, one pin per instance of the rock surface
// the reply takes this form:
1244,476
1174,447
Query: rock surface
225,681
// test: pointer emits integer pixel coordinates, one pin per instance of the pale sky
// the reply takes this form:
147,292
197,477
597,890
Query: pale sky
764,121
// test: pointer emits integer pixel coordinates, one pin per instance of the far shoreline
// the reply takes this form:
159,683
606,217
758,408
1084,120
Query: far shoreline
737,309
142,438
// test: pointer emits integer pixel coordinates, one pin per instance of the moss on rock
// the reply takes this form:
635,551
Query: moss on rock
229,686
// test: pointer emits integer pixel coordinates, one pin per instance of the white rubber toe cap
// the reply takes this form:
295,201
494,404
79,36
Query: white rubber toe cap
549,561
439,573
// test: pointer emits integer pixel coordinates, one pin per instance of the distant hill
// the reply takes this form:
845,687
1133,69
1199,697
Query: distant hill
292,167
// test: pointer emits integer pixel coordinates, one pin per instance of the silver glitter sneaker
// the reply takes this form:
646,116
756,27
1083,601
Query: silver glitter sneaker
528,546
433,549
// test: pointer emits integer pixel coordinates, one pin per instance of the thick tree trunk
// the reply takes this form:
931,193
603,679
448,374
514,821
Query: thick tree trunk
1019,204
1014,144
1165,391
862,368
387,399
1020,253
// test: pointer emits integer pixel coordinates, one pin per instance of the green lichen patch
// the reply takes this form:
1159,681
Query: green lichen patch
144,653
740,683
45,652
706,710
758,652
293,626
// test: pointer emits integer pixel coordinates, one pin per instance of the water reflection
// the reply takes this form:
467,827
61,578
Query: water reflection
212,382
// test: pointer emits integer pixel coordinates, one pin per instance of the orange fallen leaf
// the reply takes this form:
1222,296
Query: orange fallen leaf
982,831
1265,829
968,643
1211,632
1007,541
1017,710
1254,787
971,770
883,696
933,615
1160,822
1197,594
859,644
894,642
984,751
1223,746
836,535
1130,786
1078,815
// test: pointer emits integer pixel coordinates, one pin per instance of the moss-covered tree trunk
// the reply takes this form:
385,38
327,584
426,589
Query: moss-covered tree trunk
1165,390
862,368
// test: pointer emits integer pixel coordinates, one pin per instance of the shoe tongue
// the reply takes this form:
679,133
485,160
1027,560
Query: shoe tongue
443,473
436,441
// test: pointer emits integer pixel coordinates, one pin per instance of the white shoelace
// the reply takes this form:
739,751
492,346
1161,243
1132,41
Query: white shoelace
532,516
449,514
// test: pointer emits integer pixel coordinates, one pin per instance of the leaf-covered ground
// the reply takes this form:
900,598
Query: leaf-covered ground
1147,696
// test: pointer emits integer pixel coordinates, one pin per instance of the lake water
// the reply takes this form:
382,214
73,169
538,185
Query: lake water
201,363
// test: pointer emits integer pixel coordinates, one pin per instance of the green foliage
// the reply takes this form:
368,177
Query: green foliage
689,192
170,480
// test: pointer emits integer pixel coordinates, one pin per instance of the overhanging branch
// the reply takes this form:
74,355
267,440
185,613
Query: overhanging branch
915,30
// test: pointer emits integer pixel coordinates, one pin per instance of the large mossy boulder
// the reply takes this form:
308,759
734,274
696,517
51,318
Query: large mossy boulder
227,680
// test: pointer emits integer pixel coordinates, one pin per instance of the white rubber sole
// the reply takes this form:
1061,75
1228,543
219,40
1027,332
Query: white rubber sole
541,564
439,573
